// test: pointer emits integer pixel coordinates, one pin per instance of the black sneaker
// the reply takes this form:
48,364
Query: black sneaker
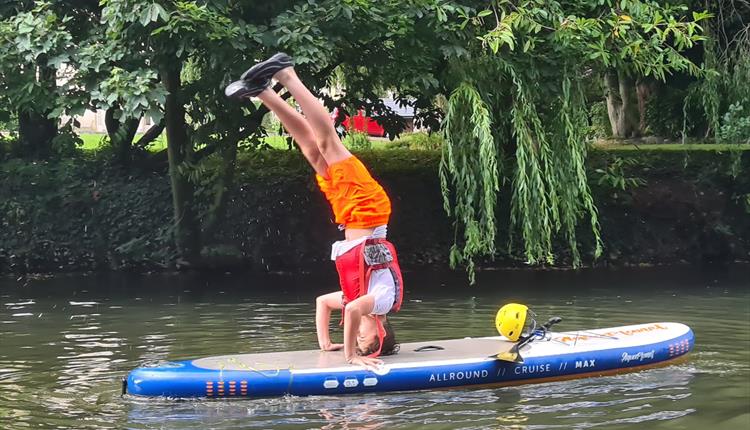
242,88
268,68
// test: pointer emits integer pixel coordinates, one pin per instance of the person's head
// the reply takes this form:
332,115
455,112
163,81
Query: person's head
368,340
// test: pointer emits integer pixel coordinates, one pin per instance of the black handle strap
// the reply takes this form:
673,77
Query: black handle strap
429,348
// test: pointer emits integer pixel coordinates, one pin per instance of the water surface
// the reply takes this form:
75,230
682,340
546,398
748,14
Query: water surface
66,341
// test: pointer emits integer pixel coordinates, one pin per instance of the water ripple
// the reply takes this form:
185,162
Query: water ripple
63,350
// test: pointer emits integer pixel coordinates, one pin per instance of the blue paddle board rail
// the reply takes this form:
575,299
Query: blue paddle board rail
185,379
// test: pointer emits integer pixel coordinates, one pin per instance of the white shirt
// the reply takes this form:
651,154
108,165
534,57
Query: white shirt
382,286
340,247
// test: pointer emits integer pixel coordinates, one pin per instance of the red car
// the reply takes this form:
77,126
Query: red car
359,122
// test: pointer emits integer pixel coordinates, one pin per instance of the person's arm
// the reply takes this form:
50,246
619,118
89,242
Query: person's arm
352,316
323,306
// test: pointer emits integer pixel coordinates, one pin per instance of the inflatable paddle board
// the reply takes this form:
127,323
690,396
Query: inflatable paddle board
419,366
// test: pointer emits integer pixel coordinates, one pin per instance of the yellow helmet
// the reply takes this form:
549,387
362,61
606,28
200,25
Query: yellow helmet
511,320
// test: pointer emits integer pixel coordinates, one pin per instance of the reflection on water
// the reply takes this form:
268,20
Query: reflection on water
65,342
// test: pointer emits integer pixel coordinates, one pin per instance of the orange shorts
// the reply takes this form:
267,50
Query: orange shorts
357,200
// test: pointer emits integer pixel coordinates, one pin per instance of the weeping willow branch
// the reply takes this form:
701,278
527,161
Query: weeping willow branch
469,168
528,92
534,205
550,192
576,198
726,54
724,91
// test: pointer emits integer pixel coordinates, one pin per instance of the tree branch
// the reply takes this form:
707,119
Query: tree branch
151,134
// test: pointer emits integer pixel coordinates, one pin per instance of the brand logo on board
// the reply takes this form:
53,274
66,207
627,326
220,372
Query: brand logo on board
640,356
567,338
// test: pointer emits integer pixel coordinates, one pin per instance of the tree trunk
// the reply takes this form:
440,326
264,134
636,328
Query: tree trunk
121,135
35,134
622,113
644,89
35,130
228,153
179,150
225,183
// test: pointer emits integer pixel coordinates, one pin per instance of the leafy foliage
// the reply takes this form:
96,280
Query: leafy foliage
667,114
81,214
516,74
735,129
599,127
526,72
32,39
727,60
469,142
418,141
735,125
86,214
614,175
357,140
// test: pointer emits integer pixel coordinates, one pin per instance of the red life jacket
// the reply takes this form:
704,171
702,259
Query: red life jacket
355,269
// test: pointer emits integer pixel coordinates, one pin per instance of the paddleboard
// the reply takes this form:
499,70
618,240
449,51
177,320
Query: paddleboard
419,366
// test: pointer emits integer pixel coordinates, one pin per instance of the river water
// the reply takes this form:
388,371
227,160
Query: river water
66,341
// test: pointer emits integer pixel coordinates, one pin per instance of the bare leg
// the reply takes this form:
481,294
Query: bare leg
298,127
317,116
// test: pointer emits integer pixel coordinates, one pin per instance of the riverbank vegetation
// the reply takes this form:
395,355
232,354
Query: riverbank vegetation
513,92
83,214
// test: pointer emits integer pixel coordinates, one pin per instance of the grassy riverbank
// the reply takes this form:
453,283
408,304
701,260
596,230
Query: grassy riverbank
616,146
95,141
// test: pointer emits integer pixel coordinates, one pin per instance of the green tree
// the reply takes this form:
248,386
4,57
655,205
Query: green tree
514,73
181,54
519,111
35,43
40,40
726,55
126,93
54,64
178,53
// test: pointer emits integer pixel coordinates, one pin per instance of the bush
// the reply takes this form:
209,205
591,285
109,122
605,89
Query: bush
8,122
599,126
67,143
6,144
667,115
357,140
8,133
614,175
418,141
82,214
735,125
271,123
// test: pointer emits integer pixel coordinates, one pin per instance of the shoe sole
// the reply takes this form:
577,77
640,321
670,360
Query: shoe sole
240,89
268,68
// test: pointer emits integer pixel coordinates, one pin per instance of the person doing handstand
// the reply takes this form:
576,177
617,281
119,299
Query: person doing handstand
369,274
